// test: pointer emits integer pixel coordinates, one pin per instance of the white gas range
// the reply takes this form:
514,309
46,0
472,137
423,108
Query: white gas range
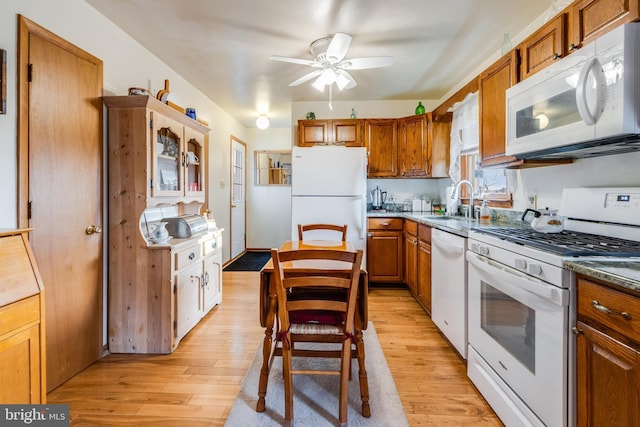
521,303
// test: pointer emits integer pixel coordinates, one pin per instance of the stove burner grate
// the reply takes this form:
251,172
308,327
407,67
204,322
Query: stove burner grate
567,243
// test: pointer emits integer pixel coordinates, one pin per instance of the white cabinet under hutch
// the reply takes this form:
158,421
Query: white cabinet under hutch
157,291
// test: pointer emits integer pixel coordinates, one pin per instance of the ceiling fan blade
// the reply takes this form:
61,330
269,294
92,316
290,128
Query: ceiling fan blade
306,77
338,47
368,62
295,61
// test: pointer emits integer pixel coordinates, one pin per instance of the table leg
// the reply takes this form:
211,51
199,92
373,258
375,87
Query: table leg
364,382
267,349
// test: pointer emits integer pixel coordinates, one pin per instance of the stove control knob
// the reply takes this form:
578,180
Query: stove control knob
520,264
535,269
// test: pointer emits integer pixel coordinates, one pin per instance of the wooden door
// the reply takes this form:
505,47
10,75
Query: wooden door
238,197
60,191
381,140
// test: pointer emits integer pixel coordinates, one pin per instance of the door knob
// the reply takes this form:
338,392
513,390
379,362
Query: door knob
93,229
233,206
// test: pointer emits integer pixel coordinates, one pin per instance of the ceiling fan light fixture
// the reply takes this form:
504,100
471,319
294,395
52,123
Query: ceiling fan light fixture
262,122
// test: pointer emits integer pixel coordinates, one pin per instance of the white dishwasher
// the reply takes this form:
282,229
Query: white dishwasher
449,287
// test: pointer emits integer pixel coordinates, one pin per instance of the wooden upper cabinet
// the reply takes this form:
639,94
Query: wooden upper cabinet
415,146
324,131
312,132
381,140
589,19
440,131
494,82
543,47
348,131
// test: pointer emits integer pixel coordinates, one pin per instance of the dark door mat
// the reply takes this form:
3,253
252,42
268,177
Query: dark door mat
250,261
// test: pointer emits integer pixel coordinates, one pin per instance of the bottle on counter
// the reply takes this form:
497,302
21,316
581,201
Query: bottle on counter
485,214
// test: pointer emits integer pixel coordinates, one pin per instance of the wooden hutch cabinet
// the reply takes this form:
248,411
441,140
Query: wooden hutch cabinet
331,131
608,356
157,292
22,323
384,250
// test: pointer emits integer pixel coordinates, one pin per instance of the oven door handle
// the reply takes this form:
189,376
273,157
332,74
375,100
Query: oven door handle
516,278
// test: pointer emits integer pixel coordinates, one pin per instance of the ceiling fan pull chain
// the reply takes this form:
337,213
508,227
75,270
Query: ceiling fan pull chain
330,98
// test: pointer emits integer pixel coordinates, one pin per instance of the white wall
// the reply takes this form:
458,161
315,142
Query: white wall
547,182
126,64
268,206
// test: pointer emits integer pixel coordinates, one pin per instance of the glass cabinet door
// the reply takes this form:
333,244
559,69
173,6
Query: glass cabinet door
167,158
193,162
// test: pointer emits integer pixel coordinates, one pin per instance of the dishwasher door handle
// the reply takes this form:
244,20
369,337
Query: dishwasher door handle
447,247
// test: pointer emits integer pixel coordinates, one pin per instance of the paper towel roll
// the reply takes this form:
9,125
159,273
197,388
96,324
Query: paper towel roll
452,204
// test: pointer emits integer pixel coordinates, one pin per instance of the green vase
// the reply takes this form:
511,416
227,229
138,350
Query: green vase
420,108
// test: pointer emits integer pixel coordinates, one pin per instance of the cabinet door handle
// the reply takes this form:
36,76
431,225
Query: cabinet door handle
576,331
607,310
572,47
206,278
555,56
385,224
192,255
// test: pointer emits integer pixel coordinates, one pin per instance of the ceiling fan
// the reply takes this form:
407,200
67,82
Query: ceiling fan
328,54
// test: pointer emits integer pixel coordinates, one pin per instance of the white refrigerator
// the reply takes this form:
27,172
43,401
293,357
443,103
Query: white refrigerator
329,185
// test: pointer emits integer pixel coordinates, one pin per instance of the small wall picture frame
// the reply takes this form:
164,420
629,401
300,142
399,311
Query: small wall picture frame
3,81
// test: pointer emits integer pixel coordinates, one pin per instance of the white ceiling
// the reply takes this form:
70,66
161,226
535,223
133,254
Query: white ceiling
222,47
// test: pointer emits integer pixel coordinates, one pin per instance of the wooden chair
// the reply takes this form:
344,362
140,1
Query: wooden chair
319,306
310,227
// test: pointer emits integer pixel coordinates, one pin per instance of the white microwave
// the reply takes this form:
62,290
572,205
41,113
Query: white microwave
586,104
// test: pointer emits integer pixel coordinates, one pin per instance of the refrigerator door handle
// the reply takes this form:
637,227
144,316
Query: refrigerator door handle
363,224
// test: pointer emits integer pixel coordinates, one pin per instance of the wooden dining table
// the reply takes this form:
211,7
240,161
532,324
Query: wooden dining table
269,298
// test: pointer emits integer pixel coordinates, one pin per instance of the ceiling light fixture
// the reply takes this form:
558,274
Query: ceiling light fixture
262,122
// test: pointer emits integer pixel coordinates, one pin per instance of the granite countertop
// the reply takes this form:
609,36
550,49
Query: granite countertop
621,272
458,225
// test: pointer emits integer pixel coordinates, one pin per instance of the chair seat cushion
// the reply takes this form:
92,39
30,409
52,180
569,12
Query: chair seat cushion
323,317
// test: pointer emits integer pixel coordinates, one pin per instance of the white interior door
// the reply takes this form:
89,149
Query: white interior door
238,193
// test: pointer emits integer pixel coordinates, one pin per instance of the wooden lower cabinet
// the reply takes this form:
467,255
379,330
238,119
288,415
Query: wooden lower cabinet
22,324
423,283
175,289
411,255
384,250
608,356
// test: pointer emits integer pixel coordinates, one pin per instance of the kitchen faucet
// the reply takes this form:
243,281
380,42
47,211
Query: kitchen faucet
455,195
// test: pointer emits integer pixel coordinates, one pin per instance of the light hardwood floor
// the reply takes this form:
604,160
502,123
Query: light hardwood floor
198,383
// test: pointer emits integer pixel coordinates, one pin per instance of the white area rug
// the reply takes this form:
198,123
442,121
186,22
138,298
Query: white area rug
316,396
